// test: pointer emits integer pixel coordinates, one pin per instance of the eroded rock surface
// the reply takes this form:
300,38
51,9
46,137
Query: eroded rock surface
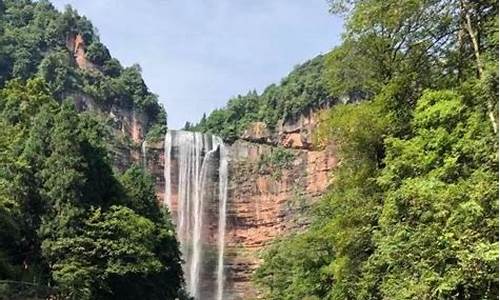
263,203
264,206
129,125
293,133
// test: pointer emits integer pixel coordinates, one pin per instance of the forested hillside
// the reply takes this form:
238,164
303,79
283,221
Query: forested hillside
63,49
71,226
413,209
302,89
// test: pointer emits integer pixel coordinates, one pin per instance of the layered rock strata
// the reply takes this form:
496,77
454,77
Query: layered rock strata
263,202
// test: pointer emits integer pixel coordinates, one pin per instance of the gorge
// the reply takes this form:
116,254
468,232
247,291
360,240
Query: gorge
226,208
369,172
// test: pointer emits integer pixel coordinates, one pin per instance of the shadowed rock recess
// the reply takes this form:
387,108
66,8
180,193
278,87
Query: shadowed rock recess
264,200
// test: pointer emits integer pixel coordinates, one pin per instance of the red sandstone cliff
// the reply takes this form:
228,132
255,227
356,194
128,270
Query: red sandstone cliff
264,206
76,45
129,125
261,205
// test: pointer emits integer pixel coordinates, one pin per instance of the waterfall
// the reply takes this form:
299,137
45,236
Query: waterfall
196,178
144,154
166,172
223,171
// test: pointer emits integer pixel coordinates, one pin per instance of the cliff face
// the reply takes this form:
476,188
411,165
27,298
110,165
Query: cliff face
128,124
125,120
296,133
263,203
76,45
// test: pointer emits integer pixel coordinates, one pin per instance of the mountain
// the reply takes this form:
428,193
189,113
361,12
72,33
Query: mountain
370,172
64,49
80,219
302,90
410,207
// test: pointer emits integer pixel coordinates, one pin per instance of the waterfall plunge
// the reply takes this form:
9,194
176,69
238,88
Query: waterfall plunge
144,151
223,171
192,163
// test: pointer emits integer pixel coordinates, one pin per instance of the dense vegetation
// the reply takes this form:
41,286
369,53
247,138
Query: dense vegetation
34,41
70,226
413,210
302,89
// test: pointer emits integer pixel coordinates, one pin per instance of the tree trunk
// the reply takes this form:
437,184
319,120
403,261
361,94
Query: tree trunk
477,53
475,43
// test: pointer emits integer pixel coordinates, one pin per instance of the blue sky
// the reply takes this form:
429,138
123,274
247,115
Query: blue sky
196,54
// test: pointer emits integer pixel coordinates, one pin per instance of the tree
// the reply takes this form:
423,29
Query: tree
95,248
327,260
24,133
140,190
70,227
413,210
300,91
117,254
98,53
56,69
19,102
423,41
10,211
